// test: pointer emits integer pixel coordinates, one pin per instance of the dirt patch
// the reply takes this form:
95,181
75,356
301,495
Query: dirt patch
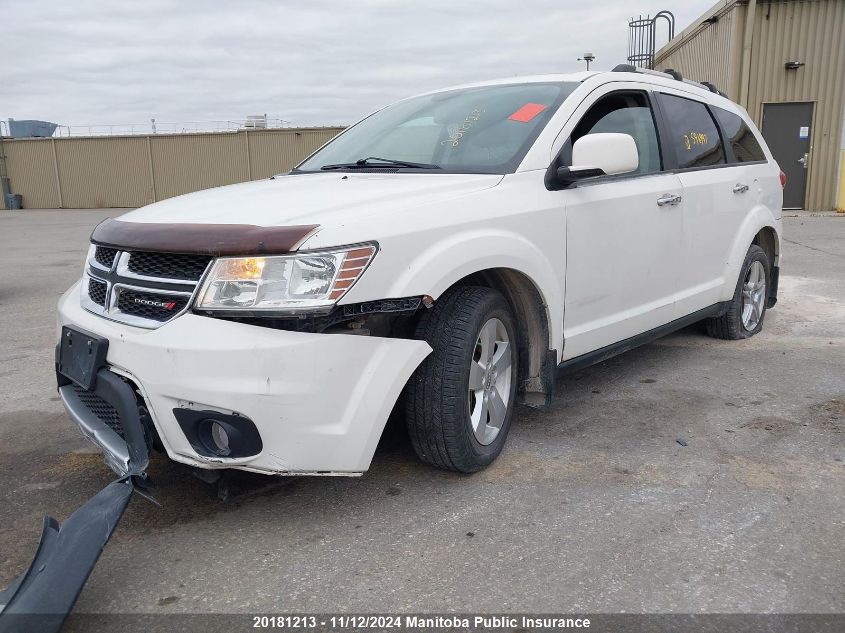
785,475
769,423
75,464
830,415
517,467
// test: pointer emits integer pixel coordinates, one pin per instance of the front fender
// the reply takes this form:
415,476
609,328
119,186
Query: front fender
406,270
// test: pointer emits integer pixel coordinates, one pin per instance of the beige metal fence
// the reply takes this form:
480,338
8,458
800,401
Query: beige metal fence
131,171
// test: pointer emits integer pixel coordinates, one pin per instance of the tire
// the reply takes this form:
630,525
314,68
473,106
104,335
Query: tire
438,403
735,324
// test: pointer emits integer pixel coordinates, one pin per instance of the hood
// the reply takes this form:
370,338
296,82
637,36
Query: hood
322,199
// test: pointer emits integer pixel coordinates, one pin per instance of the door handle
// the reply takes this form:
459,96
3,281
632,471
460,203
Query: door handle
668,198
803,160
740,188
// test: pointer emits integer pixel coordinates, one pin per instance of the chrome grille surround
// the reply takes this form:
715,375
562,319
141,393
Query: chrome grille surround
120,281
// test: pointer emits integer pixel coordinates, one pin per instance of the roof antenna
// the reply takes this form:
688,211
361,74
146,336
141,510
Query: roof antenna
588,57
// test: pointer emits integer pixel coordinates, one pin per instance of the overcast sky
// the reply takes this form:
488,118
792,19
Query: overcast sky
316,62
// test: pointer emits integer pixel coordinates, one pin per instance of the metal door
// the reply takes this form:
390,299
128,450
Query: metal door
787,128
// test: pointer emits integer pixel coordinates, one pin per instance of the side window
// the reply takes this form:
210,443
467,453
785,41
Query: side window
626,113
745,145
692,132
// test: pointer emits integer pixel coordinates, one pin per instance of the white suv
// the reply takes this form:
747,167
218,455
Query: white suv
450,254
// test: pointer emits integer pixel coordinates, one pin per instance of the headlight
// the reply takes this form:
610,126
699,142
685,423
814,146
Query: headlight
304,282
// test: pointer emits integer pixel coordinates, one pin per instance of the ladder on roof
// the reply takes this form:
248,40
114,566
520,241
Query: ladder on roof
642,38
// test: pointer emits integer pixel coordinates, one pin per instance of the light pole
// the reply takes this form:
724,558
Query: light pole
588,57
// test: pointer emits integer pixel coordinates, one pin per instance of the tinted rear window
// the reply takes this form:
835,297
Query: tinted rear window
692,132
746,147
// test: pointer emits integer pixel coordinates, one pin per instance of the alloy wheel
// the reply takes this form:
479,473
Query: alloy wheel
490,376
753,296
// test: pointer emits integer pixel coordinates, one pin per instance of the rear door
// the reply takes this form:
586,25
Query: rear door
715,198
623,233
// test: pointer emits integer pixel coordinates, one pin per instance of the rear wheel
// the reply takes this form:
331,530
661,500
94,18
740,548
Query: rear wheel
461,398
744,317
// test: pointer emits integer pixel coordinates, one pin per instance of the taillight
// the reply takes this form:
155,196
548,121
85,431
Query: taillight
782,180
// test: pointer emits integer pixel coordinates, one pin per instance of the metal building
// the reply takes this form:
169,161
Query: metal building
784,61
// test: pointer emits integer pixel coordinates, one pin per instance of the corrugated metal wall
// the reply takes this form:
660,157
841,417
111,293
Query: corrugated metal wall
131,171
812,32
709,51
841,204
107,172
214,159
809,31
33,165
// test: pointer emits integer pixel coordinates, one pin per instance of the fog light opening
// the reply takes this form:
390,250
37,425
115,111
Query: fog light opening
215,434
220,438
216,437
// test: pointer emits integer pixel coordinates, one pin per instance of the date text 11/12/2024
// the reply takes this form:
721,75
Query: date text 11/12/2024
483,622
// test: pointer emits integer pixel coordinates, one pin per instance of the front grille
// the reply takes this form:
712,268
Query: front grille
97,291
100,408
141,289
149,305
168,265
105,256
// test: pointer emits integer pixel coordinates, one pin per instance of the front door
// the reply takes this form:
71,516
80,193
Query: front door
623,234
787,128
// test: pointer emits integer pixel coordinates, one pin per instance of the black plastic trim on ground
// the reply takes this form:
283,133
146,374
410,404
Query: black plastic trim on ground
42,597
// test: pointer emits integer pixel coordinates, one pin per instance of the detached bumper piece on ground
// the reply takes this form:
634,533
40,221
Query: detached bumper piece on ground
41,598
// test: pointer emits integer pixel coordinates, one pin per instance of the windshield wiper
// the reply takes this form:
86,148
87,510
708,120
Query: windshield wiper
368,162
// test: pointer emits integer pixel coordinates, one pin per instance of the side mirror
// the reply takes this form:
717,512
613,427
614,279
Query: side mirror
601,154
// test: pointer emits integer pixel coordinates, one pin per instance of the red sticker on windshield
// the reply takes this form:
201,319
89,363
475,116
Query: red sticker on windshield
527,112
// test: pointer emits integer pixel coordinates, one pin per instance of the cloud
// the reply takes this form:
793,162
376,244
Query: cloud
316,63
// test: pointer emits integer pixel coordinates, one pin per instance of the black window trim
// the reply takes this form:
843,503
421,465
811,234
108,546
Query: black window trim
668,158
669,151
729,150
659,131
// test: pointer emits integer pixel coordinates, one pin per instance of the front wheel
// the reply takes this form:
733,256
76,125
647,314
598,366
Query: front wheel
460,400
744,317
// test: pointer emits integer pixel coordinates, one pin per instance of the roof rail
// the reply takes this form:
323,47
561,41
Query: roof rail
674,74
712,88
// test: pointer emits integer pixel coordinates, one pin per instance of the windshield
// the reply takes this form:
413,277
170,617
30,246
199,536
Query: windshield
478,130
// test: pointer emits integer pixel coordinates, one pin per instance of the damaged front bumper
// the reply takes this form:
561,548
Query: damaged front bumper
318,402
123,443
41,598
